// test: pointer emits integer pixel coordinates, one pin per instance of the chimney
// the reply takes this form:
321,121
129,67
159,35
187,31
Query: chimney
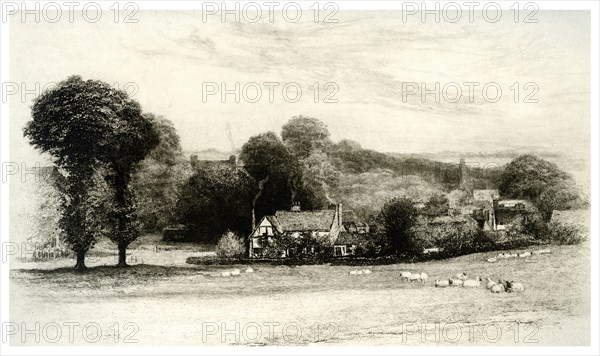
194,161
340,220
296,207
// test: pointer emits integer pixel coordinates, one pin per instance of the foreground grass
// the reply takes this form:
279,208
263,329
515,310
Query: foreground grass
171,304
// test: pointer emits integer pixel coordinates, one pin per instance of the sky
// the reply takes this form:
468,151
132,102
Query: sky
370,56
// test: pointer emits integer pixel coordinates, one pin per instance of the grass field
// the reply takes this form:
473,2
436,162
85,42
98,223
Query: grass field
158,303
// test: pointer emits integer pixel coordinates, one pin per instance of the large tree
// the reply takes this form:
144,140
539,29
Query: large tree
276,172
214,200
89,126
132,137
398,216
542,182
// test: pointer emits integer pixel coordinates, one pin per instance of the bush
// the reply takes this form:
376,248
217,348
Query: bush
564,234
455,239
230,246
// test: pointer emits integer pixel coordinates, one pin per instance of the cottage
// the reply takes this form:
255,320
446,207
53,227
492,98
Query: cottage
322,224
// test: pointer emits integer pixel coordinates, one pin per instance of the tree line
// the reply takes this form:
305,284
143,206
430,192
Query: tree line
124,172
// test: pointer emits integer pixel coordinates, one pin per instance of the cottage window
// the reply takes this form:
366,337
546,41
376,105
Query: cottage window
265,230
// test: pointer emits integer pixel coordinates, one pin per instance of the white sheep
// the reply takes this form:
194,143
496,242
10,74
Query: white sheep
461,276
525,254
414,277
515,287
226,274
472,283
442,283
235,272
492,259
353,272
456,282
366,271
423,277
249,270
497,288
405,275
490,283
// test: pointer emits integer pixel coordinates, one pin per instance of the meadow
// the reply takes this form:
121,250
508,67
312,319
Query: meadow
161,300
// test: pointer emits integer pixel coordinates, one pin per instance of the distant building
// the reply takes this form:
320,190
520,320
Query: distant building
507,212
232,161
351,224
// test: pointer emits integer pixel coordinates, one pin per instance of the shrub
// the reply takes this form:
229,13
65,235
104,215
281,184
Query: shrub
564,234
230,246
455,239
536,227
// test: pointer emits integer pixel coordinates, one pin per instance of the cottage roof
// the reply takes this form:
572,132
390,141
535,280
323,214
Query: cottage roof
315,220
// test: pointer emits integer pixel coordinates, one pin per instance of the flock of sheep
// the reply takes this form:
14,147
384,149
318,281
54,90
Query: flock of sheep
507,255
360,271
414,277
462,280
236,272
459,280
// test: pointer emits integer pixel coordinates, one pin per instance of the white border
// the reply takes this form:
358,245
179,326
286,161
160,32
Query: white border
466,350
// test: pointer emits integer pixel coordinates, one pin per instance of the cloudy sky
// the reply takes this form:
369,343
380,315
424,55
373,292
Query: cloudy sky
368,55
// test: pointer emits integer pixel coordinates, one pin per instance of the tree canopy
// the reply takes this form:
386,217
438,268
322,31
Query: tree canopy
303,135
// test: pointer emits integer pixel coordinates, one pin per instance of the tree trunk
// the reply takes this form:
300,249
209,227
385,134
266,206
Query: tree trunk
122,256
80,265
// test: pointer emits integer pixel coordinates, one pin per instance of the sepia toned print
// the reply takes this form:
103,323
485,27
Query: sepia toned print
285,174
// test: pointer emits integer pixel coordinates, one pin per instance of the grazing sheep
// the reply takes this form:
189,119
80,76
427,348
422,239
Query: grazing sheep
352,272
539,252
226,274
414,277
525,254
235,272
472,283
405,275
249,270
514,287
423,277
359,272
493,259
504,283
490,283
497,288
456,282
462,276
513,255
504,255
443,283
366,271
